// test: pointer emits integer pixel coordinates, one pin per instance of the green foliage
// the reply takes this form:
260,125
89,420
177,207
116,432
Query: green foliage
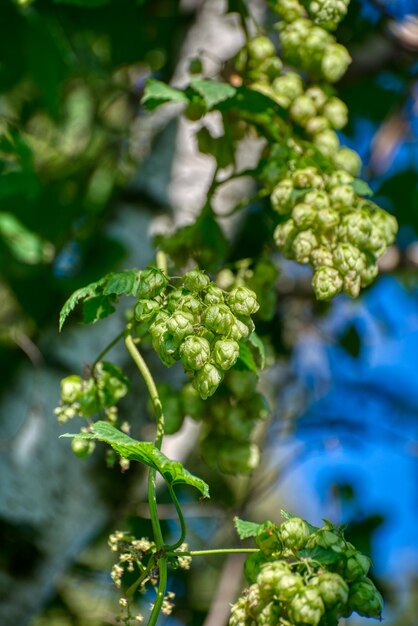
146,453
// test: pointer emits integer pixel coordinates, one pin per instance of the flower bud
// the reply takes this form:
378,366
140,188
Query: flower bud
219,319
365,599
145,310
195,281
281,197
243,301
207,380
225,353
335,62
151,283
326,283
333,589
180,324
307,607
71,388
294,533
194,352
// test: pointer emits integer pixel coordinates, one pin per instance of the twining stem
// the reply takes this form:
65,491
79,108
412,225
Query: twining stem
152,389
214,551
107,348
181,520
152,477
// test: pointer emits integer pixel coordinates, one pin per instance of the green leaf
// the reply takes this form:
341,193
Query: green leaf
252,566
361,187
25,245
212,91
219,147
258,344
247,529
246,359
327,556
157,93
122,283
99,297
144,452
97,308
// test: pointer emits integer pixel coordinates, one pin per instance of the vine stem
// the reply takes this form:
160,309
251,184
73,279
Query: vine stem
181,520
214,551
152,476
107,348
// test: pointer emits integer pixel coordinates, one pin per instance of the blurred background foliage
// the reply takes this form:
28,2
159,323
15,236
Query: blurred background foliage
343,442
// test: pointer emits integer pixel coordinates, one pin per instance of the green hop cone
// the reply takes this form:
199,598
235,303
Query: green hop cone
194,352
326,283
167,347
333,588
219,319
294,533
302,109
318,95
260,48
307,177
190,304
357,566
318,199
253,601
225,353
238,613
348,160
307,607
386,224
71,388
304,215
327,142
284,233
243,301
348,258
335,110
269,615
145,310
328,539
302,246
214,295
238,457
365,599
355,228
369,273
338,178
82,448
286,88
328,13
316,125
269,577
207,380
288,10
281,197
195,281
335,62
342,196
328,218
151,283
322,257
180,324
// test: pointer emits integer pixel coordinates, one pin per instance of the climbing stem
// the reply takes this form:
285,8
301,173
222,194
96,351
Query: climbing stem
181,520
162,584
214,551
152,389
107,348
